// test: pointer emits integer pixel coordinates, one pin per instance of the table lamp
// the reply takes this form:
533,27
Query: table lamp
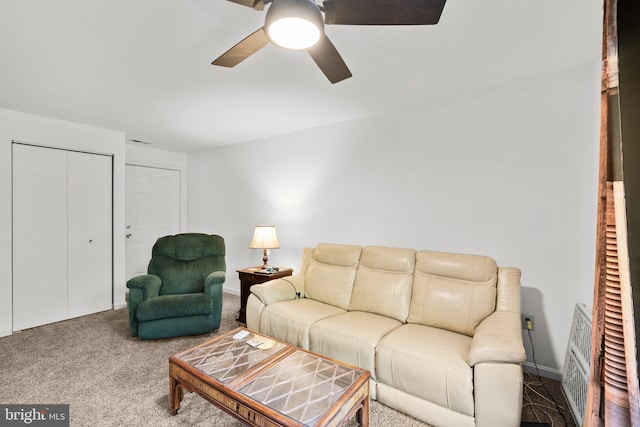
264,237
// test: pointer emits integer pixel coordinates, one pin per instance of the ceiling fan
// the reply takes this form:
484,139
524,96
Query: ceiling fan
299,25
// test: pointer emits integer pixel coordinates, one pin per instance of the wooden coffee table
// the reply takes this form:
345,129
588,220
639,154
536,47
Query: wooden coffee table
271,383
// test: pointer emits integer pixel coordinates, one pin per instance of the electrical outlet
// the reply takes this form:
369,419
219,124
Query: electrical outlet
527,321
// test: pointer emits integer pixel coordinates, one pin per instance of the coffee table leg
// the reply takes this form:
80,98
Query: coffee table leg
362,416
176,393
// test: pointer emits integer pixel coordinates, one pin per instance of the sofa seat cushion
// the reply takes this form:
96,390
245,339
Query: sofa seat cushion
290,320
351,337
169,306
429,363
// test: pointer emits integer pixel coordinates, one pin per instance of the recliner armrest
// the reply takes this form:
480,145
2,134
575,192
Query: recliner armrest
498,339
213,284
213,287
284,289
141,288
149,284
214,278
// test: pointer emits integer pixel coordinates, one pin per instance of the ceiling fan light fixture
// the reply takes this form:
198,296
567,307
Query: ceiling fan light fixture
294,33
294,24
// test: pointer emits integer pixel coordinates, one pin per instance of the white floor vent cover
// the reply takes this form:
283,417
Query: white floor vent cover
575,374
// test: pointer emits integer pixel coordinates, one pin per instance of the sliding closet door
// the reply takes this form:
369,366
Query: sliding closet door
39,236
62,242
89,234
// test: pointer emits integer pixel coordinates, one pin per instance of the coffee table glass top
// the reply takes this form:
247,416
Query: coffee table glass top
301,386
229,357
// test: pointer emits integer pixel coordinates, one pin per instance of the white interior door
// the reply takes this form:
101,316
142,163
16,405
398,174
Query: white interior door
89,233
152,210
39,236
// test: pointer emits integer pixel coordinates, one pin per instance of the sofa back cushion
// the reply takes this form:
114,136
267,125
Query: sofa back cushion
453,291
329,277
305,262
384,281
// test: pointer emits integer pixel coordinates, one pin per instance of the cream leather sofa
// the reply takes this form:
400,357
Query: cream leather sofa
439,332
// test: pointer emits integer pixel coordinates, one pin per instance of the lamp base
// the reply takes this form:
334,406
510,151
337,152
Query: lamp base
265,258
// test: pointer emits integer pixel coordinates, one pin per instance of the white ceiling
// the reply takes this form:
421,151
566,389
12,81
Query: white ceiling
143,66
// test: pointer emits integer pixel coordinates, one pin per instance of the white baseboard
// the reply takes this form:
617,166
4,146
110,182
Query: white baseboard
5,333
232,291
554,374
119,305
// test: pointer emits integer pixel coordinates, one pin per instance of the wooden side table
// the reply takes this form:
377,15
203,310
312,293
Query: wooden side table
253,276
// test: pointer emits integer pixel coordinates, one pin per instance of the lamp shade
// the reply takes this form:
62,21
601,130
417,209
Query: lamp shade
265,237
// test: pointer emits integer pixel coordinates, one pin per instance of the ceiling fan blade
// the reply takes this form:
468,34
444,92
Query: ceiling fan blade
326,56
254,4
383,12
241,51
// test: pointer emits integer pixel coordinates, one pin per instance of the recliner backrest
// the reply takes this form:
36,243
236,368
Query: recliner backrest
184,260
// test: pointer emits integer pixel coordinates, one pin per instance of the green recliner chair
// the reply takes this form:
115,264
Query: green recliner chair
182,292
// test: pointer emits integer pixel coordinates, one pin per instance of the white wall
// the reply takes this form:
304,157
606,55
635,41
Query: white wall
55,133
509,173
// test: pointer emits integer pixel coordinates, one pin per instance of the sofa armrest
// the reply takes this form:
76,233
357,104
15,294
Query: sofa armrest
284,289
141,288
497,390
498,339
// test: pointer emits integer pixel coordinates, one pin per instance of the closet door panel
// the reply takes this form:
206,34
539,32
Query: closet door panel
39,236
90,240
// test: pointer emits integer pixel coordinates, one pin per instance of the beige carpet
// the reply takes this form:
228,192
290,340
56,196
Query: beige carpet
111,379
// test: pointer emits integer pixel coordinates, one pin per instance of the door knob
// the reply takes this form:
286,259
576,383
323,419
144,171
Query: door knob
128,235
90,240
